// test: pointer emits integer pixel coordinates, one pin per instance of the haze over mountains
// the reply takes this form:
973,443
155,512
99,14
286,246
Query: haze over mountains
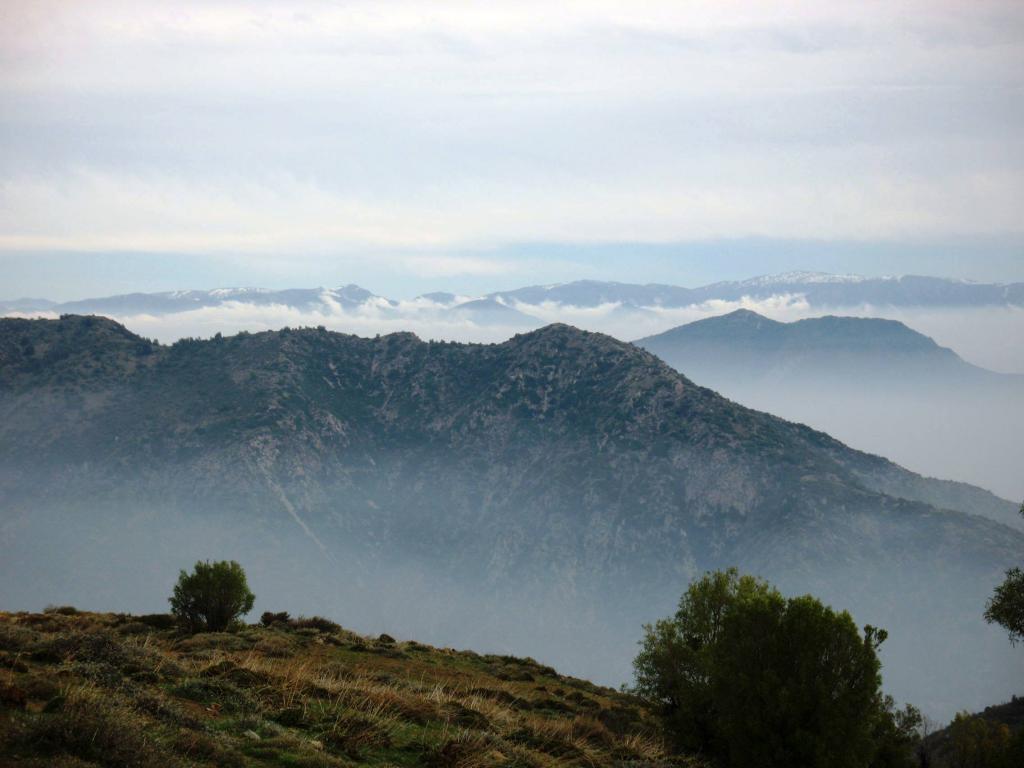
818,289
873,383
545,495
935,421
980,320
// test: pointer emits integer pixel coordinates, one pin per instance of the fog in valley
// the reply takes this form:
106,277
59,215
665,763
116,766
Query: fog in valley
940,655
969,434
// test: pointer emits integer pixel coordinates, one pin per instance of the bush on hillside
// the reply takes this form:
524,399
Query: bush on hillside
269,618
749,677
212,597
319,623
62,610
160,621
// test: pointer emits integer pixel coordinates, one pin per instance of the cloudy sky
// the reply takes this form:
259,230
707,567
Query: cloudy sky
474,146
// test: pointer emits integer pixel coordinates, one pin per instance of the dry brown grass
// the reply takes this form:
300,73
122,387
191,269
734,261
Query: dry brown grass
301,697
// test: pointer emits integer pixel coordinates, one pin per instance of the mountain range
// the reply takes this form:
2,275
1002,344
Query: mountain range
819,289
545,495
874,383
514,307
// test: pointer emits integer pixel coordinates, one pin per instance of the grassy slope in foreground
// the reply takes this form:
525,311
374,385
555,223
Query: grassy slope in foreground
108,689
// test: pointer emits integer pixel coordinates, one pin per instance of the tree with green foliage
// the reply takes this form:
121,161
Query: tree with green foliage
974,742
1006,606
747,677
897,736
211,597
675,666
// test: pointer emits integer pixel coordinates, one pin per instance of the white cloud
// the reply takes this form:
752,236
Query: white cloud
94,212
986,336
299,128
440,266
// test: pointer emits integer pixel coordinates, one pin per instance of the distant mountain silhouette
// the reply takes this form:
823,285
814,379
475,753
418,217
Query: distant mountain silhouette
876,384
816,288
838,346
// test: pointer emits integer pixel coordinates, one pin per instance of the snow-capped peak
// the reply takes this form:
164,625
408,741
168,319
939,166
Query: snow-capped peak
805,278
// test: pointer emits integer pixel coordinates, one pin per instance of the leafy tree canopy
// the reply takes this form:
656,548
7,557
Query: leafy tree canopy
211,597
747,677
1006,606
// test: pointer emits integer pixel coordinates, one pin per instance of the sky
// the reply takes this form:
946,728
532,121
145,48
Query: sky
422,146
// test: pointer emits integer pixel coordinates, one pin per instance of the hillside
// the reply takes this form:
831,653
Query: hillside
992,737
876,384
115,689
544,496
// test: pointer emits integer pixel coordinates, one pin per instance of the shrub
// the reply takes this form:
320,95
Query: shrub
753,678
351,734
98,647
224,693
461,748
235,674
160,621
7,661
212,597
276,646
318,623
158,706
210,643
205,747
134,628
16,638
89,725
63,610
45,622
269,619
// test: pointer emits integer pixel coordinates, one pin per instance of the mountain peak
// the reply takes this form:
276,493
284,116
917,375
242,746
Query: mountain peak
832,345
562,332
556,335
806,278
742,316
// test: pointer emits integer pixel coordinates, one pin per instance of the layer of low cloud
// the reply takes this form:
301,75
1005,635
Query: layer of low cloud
985,336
